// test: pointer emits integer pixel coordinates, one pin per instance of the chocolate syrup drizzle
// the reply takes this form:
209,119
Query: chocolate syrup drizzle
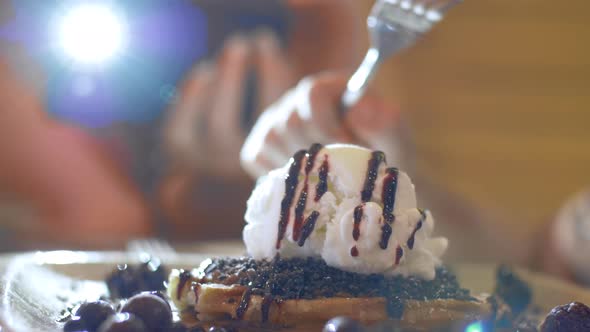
183,278
388,197
312,155
356,230
267,300
358,217
377,157
412,237
399,252
386,231
291,182
388,193
299,210
302,229
322,186
244,303
308,227
302,202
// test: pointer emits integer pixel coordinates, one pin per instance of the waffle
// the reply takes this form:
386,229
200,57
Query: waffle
292,292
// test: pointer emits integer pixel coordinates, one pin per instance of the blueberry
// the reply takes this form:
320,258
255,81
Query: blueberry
128,280
122,282
151,309
573,317
122,322
342,324
513,290
152,275
161,295
74,325
92,314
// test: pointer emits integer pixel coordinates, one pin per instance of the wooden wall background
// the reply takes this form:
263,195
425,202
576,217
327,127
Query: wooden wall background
498,98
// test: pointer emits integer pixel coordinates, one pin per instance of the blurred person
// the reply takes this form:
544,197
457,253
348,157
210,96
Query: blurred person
205,188
111,152
68,190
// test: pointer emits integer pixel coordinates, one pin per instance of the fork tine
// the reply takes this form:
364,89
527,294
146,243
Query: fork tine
442,6
421,7
393,25
406,4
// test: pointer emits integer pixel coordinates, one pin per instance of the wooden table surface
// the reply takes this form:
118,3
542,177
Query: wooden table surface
498,99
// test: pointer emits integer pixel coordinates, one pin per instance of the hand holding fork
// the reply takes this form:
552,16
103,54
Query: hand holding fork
307,115
393,26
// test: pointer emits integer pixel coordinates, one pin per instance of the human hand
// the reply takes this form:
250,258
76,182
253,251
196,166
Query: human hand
309,114
326,35
204,129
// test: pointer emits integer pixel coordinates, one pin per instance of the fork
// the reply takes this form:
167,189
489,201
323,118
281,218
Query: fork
393,25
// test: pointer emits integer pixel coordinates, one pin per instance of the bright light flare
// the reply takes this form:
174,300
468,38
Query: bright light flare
91,33
475,327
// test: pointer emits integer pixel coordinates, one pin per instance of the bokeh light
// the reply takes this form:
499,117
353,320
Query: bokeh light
475,327
91,33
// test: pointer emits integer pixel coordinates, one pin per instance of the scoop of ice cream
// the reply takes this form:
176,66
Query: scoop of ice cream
344,204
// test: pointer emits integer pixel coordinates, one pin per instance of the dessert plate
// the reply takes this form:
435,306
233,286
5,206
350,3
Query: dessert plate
36,287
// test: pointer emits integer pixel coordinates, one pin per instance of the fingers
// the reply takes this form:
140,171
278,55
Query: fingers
227,102
305,115
204,129
187,120
275,73
376,124
265,147
309,114
207,122
319,104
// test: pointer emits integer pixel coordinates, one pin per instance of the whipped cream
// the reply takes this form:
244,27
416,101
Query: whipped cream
344,204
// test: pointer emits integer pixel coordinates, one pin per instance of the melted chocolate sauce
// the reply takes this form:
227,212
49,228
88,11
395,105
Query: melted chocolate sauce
299,210
244,303
412,237
308,227
399,252
377,157
386,231
302,201
312,154
388,193
267,300
358,217
322,186
291,182
388,198
354,252
196,290
183,278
